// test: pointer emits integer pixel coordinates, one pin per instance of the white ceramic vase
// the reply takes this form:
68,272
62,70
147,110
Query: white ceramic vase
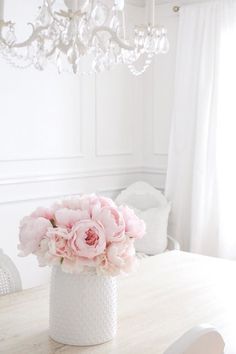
83,308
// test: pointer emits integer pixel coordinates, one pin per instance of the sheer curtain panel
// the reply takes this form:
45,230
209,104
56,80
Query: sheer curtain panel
201,177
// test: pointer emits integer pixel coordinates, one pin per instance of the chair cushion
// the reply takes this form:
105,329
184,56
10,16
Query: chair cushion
155,239
150,205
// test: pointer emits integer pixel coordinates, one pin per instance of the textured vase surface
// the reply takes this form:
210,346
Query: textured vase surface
83,308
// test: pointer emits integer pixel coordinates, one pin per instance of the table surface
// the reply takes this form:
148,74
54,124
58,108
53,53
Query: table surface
168,295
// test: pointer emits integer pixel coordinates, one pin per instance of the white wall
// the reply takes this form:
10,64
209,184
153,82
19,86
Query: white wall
159,94
63,135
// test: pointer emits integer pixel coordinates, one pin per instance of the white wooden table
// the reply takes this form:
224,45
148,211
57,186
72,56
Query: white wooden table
168,295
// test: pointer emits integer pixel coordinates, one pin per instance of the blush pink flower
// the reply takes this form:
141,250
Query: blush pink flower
118,258
91,201
54,247
80,234
71,203
134,226
68,218
44,256
44,213
58,242
88,239
112,221
106,202
32,231
121,254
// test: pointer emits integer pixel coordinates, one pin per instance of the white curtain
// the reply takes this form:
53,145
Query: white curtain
201,177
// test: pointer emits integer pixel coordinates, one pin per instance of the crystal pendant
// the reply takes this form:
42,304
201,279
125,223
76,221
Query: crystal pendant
10,36
98,62
72,54
164,44
129,56
44,17
72,30
139,36
64,38
114,23
150,44
119,5
84,31
77,5
59,63
54,31
99,14
40,61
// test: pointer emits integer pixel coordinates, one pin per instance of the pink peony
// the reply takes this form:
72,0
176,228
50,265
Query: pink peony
91,202
112,221
88,239
87,233
68,217
45,257
119,258
32,230
72,203
44,213
134,227
121,254
58,242
54,247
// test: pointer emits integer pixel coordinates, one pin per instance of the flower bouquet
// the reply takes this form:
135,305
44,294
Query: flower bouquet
88,240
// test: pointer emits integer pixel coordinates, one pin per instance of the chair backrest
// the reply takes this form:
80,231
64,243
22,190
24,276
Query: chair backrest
142,196
9,276
202,339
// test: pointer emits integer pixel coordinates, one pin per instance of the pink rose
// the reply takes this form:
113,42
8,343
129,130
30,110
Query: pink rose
68,217
112,221
134,227
88,239
32,230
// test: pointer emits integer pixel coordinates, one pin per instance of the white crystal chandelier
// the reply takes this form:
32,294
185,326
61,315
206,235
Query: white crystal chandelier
91,30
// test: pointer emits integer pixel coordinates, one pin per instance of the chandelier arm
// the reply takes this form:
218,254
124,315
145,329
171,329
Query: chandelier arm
51,11
61,46
5,23
113,36
32,37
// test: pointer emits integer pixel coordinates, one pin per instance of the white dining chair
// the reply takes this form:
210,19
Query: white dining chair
202,339
9,276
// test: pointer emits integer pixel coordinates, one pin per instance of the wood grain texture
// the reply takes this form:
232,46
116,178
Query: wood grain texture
169,294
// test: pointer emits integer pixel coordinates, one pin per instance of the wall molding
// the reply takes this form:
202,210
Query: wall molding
78,155
25,179
106,181
106,153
